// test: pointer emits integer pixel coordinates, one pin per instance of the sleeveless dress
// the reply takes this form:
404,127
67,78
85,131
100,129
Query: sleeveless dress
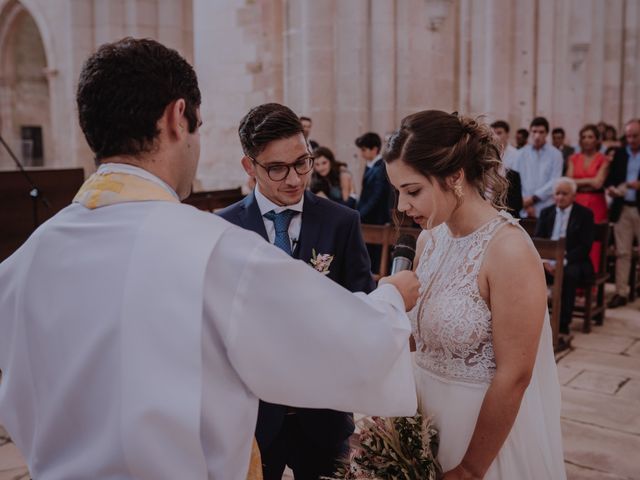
455,363
594,200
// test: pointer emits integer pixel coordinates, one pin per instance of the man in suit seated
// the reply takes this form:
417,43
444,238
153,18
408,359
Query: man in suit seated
375,202
309,228
575,223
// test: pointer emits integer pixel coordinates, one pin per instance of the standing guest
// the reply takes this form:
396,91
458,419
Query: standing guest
574,222
558,138
622,185
610,138
509,152
539,165
513,200
307,123
331,178
169,323
589,168
522,137
374,204
309,441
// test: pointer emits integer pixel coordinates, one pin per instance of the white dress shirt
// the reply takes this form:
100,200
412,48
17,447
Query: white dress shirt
265,205
561,222
539,169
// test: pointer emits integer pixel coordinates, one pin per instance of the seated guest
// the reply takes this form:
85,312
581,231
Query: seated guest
575,223
375,200
331,179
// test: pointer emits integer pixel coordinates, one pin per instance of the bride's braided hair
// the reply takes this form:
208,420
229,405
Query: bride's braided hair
438,144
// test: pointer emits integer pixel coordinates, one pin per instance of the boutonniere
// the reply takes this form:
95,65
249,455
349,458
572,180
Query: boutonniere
321,261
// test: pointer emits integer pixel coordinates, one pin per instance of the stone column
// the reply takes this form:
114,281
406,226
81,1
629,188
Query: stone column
524,63
631,59
141,17
383,66
175,18
109,21
309,71
353,79
80,38
238,57
612,65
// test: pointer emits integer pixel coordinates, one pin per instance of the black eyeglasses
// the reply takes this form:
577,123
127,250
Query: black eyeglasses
280,171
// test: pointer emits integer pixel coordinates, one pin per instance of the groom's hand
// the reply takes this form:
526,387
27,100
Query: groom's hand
407,284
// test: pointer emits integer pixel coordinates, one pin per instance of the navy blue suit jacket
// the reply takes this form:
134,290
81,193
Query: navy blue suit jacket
374,205
327,227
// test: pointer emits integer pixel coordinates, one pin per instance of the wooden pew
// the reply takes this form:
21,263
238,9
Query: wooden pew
554,250
594,308
58,186
213,200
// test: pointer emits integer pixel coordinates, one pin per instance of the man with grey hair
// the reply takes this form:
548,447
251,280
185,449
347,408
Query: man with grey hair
622,186
575,223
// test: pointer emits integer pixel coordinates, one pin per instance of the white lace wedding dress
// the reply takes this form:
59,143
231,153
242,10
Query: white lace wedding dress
454,361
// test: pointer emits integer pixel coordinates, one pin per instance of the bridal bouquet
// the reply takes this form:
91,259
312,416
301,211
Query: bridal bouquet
401,448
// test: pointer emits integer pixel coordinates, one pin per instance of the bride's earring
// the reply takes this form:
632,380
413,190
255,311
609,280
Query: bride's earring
457,191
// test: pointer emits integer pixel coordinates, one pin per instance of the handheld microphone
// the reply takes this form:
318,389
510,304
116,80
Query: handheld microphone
403,254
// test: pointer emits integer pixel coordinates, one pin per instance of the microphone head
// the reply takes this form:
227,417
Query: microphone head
405,247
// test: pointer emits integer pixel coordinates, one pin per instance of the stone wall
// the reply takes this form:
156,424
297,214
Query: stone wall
353,65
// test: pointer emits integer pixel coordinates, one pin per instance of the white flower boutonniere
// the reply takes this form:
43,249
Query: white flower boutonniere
321,261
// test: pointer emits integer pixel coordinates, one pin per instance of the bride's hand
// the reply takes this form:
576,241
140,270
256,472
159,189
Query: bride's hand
460,473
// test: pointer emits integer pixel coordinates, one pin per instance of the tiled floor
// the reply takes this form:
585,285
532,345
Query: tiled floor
600,380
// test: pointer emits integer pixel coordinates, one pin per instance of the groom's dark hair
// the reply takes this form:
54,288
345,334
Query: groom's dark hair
264,124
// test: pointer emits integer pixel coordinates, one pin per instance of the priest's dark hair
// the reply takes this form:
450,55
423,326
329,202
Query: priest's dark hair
124,89
264,124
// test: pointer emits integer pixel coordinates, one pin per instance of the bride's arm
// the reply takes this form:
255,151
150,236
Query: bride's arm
518,299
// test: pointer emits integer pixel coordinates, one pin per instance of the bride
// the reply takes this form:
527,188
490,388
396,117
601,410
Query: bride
484,364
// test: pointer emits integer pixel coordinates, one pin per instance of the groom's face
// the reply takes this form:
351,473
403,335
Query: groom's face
286,151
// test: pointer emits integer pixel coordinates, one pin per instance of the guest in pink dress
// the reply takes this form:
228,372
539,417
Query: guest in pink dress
589,168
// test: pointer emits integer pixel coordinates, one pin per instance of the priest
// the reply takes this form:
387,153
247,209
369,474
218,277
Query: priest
137,333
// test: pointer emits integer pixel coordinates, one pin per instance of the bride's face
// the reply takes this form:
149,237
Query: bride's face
419,197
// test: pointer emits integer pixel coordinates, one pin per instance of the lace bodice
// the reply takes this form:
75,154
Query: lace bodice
451,321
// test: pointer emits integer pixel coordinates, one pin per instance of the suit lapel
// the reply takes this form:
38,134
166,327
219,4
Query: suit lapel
250,217
310,230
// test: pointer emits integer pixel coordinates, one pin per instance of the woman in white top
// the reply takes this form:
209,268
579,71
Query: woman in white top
484,366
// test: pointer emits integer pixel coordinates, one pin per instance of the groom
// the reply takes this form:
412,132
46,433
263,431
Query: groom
314,230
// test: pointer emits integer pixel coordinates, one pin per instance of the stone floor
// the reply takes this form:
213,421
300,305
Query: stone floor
600,379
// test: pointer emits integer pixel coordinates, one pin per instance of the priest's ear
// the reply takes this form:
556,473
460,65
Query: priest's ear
175,120
248,166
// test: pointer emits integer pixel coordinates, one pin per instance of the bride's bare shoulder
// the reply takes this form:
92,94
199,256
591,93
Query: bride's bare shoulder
512,248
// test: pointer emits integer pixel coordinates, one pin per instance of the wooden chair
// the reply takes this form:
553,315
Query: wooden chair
594,307
213,200
379,235
554,250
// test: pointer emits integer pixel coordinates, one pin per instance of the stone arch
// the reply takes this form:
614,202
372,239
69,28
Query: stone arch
25,66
